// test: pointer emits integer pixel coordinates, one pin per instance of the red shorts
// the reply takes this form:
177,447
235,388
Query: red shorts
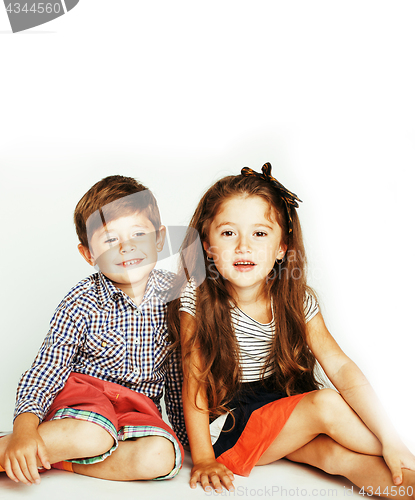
123,413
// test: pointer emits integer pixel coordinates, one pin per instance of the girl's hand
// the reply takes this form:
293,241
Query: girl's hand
21,457
398,457
211,472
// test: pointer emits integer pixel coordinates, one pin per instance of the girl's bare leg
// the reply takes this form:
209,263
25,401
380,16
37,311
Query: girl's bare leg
365,471
322,412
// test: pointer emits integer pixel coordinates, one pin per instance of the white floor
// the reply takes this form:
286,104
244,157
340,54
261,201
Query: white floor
282,479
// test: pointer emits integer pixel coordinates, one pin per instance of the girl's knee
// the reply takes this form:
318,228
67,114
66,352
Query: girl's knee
328,397
327,403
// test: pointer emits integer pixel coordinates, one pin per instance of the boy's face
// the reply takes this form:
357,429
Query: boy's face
125,250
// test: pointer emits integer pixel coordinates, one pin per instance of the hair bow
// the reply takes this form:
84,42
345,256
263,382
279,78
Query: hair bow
290,199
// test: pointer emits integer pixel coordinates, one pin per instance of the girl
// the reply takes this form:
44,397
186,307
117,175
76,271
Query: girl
250,336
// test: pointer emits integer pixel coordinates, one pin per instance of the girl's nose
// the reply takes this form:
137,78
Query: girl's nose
242,245
127,246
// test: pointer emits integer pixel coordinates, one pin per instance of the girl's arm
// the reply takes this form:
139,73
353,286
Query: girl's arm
359,394
205,469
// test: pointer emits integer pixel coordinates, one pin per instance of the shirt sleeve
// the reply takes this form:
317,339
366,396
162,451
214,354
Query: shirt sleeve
51,368
188,299
173,396
311,307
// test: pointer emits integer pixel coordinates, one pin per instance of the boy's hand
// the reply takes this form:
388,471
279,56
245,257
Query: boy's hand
213,473
22,454
398,457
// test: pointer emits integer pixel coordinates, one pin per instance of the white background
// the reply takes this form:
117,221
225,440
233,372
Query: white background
180,93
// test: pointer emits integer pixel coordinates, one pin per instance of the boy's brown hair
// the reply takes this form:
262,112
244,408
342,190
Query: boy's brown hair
89,216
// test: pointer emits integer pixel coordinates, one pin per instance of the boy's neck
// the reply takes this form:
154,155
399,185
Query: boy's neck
136,292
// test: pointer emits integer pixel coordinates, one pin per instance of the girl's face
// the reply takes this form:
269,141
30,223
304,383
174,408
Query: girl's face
244,243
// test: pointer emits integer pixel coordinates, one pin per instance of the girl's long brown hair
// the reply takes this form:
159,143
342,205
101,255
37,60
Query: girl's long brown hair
290,358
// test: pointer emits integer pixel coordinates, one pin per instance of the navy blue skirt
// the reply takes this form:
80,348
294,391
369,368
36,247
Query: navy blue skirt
258,413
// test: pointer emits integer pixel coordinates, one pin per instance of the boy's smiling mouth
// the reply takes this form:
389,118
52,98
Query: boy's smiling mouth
129,263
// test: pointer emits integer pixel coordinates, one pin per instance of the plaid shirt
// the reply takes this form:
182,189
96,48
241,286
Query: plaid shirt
98,330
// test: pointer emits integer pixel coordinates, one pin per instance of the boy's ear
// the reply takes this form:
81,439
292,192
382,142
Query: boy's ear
161,237
86,254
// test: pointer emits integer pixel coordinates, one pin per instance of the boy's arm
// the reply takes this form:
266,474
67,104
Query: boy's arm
37,390
20,458
52,365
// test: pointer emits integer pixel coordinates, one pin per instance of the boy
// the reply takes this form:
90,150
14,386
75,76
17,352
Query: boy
90,401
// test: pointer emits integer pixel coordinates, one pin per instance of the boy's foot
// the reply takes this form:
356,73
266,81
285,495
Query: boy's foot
59,465
2,434
63,466
40,469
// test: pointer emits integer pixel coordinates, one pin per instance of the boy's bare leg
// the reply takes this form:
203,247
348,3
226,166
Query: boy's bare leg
69,438
140,458
365,471
22,452
66,439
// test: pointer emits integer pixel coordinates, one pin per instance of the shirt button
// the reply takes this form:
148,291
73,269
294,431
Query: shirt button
104,344
137,312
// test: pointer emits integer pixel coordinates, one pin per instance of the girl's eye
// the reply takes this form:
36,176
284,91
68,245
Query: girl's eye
260,233
111,240
227,233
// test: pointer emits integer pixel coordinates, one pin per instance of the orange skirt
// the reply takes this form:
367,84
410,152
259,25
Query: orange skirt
256,419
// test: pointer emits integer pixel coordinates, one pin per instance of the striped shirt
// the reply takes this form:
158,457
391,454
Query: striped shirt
254,339
99,331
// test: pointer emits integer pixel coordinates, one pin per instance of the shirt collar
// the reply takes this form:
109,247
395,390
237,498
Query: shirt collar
106,289
158,283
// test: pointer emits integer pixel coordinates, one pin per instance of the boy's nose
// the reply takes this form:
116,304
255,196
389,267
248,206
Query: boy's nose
127,246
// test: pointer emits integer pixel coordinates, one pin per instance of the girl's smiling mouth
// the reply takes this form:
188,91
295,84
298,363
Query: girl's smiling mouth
244,265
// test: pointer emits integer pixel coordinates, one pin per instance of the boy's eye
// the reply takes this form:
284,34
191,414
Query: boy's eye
110,240
138,234
227,233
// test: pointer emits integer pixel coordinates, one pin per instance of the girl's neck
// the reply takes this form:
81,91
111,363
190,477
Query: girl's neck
246,296
254,302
